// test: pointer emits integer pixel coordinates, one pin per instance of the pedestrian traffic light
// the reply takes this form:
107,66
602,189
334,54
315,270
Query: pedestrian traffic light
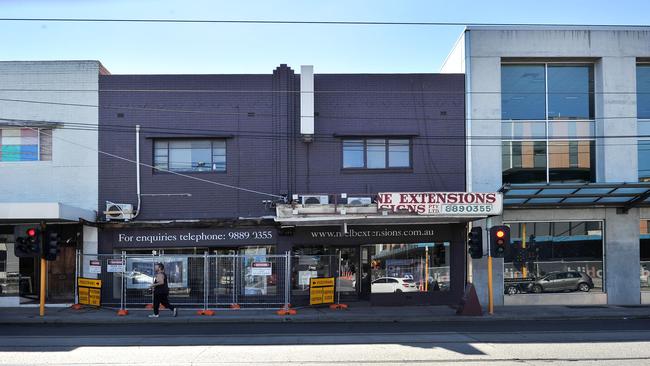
475,243
499,240
27,241
51,247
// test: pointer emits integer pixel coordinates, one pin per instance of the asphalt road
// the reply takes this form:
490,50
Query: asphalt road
580,342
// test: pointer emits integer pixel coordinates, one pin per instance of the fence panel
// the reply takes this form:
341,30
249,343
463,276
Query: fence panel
107,268
250,281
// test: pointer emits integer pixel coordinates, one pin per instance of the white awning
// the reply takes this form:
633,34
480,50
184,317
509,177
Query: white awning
316,215
48,211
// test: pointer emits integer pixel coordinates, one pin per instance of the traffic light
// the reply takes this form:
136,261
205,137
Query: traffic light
499,240
475,243
51,247
27,241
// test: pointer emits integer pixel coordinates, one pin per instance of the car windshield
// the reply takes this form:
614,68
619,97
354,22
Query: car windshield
407,280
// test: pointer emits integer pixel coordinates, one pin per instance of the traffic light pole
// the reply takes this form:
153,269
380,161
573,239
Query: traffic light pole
490,294
43,270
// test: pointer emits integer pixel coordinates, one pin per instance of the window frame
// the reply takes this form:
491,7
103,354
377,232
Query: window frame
38,145
387,167
167,170
640,122
547,139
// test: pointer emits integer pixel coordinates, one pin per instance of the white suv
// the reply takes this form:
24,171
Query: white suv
393,284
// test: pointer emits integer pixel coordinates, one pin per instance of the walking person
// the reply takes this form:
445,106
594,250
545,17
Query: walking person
160,288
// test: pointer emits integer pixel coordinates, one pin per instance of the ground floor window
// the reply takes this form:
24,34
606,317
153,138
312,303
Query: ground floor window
374,268
554,257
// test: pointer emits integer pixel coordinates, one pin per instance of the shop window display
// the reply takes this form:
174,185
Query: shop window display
554,257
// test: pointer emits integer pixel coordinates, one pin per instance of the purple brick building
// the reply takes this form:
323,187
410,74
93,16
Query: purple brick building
220,154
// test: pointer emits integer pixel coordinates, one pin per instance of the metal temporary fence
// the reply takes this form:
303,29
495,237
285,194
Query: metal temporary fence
107,268
196,281
249,280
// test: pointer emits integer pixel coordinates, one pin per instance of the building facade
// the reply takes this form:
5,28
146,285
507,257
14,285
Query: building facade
49,169
555,120
228,164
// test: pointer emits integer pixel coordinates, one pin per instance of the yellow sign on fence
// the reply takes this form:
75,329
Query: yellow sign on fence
89,282
90,291
321,290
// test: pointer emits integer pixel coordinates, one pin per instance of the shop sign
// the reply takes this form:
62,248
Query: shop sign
115,265
189,237
442,203
321,290
89,291
261,269
95,266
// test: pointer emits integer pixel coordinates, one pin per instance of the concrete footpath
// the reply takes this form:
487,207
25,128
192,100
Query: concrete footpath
355,313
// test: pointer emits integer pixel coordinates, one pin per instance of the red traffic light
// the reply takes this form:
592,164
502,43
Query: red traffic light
31,232
500,234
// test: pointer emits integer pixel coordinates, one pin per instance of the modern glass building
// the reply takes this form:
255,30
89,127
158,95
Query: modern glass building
557,120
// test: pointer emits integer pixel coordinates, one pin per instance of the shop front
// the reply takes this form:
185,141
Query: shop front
213,265
383,264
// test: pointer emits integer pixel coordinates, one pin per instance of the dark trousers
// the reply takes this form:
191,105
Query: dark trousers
161,299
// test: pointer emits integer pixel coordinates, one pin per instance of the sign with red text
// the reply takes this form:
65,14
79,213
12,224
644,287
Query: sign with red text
442,203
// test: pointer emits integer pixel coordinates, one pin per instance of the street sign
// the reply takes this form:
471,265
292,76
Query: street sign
321,290
89,290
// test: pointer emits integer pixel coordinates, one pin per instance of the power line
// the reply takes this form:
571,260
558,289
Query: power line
312,22
333,91
155,168
192,132
246,114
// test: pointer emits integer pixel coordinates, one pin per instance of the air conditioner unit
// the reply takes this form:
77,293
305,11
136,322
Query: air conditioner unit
118,211
359,201
315,200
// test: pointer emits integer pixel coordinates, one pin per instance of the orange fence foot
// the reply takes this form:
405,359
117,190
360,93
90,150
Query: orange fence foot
286,311
235,306
200,312
122,312
338,306
76,307
208,312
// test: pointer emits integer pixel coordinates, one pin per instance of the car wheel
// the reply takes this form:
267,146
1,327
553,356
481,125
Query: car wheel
583,287
398,291
537,289
512,290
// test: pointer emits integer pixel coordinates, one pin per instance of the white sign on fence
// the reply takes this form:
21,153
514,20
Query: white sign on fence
95,266
261,269
115,265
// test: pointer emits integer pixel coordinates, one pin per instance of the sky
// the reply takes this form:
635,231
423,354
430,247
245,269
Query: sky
141,48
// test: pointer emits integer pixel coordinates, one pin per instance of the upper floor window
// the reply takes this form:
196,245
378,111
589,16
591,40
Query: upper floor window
190,155
376,153
547,91
25,144
643,91
547,125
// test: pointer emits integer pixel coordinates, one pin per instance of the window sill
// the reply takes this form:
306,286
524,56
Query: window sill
186,172
373,171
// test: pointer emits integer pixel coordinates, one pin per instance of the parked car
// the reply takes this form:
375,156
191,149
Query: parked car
562,281
393,284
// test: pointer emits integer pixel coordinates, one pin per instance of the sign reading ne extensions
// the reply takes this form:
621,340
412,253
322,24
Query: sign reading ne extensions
442,203
189,237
